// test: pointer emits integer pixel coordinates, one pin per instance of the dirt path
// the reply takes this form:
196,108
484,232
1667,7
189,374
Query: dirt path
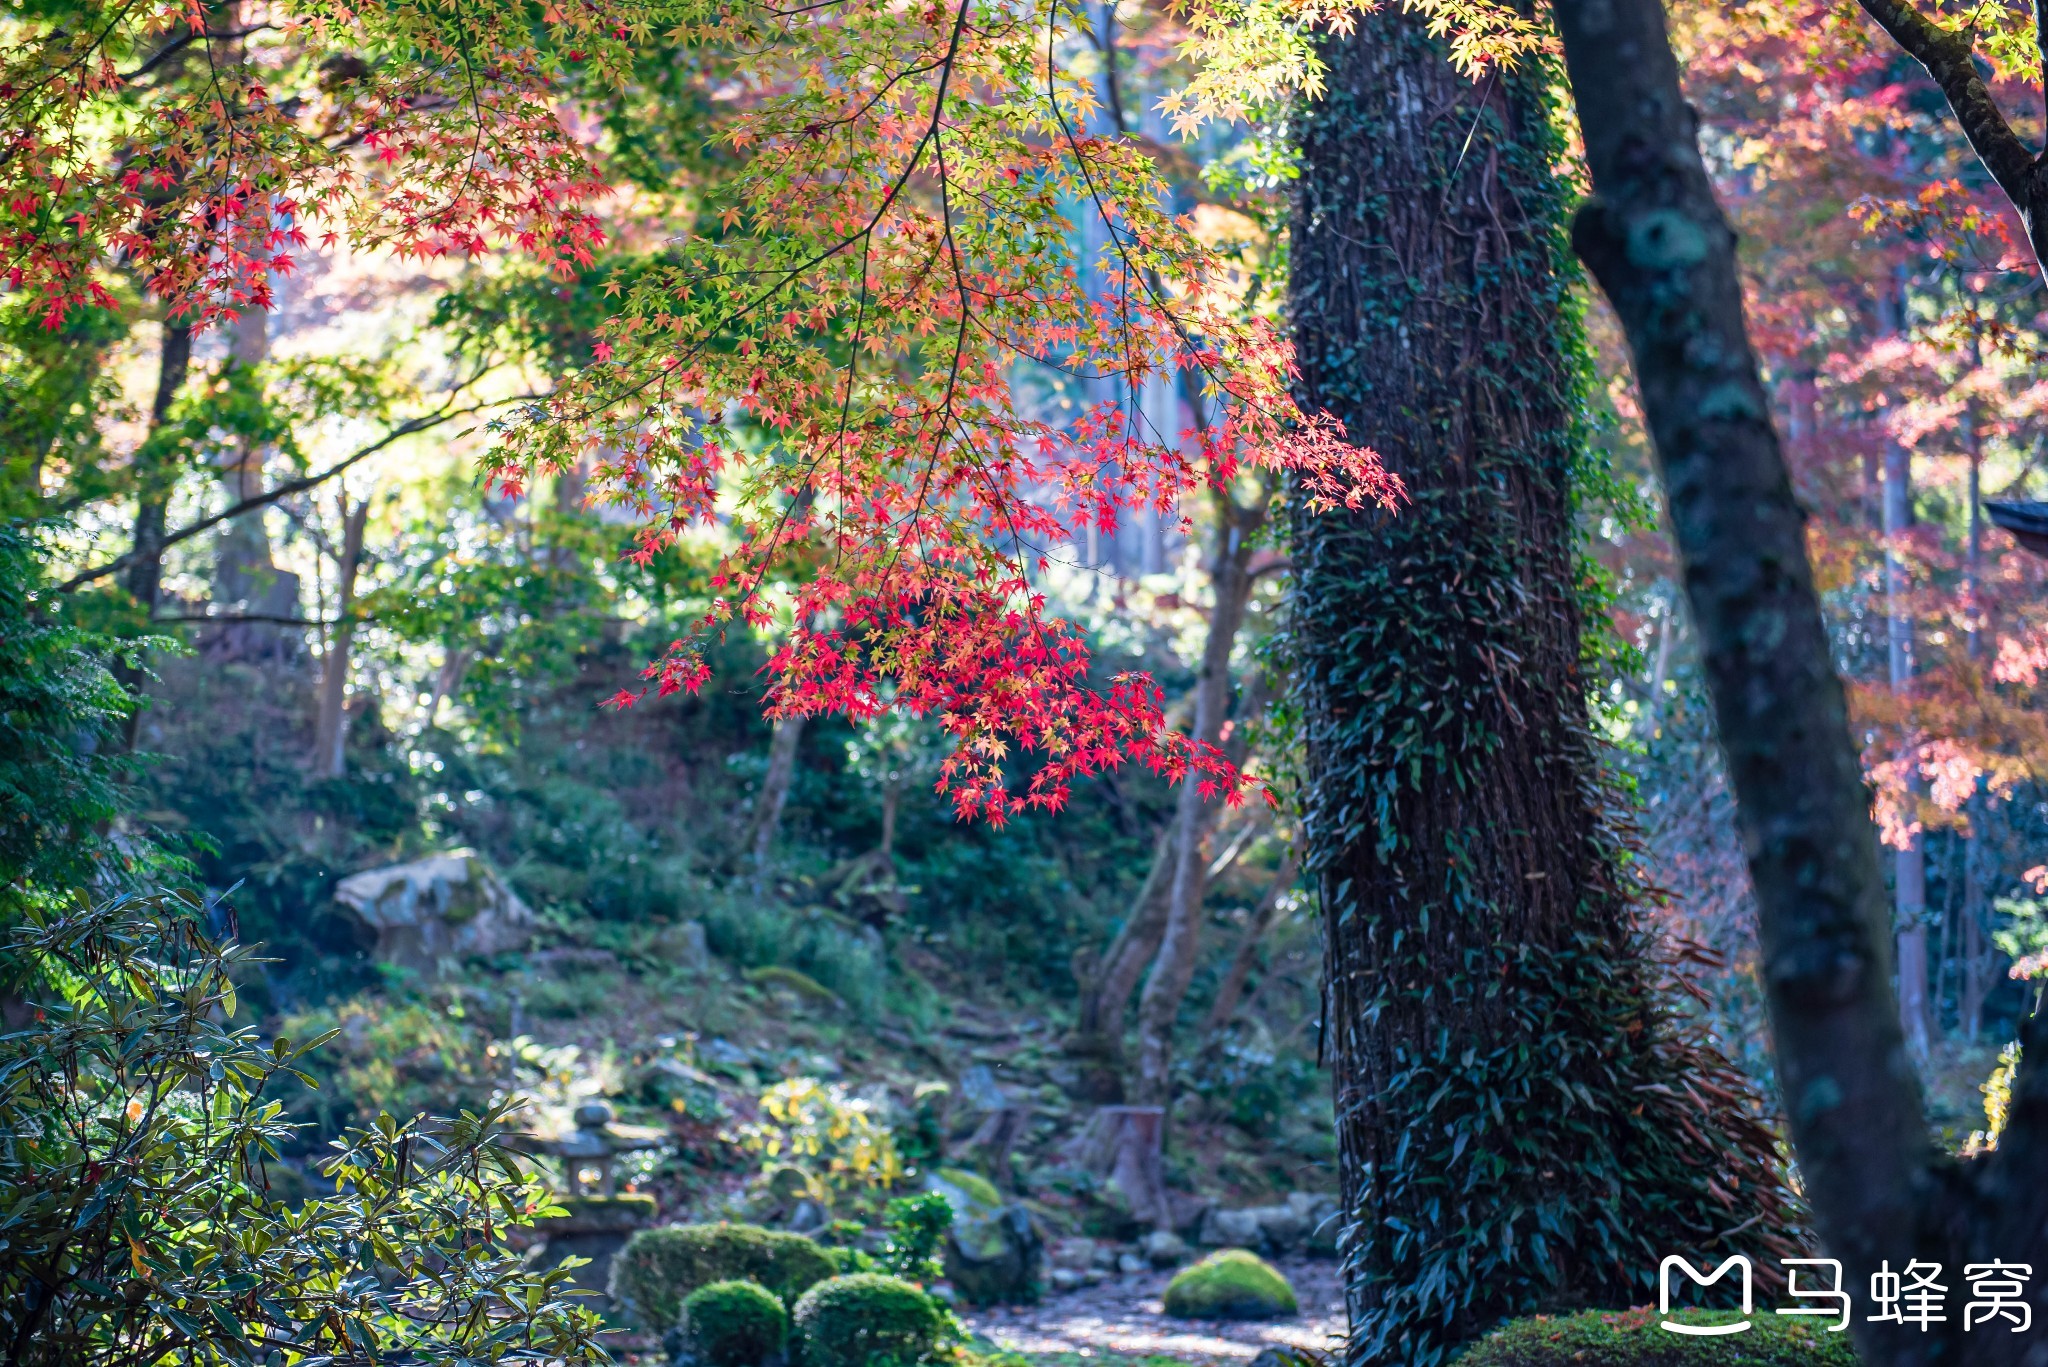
1122,1317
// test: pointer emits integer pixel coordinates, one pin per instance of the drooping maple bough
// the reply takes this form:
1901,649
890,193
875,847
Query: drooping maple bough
899,242
896,240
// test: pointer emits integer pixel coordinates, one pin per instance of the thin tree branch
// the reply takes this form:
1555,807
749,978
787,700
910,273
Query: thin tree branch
290,487
1950,58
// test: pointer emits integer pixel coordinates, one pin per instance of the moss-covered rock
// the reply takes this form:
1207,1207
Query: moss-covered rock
733,1324
1232,1284
865,1320
1631,1338
659,1267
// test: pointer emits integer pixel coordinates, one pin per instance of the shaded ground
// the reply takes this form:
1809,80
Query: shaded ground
1122,1317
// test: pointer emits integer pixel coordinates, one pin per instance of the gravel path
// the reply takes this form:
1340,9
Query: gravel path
1122,1317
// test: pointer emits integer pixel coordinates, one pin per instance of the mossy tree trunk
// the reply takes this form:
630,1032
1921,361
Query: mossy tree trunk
1492,1013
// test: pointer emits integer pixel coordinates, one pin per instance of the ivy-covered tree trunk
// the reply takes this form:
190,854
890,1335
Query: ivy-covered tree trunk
1510,1092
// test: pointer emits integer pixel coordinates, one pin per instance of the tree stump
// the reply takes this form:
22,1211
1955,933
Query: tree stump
1125,1145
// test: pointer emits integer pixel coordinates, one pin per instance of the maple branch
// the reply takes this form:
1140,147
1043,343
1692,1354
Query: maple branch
1950,57
177,45
286,489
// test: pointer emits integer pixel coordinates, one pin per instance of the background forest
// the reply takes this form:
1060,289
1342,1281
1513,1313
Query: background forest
354,642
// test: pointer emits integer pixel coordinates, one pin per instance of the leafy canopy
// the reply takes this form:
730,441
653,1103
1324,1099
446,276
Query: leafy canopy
894,242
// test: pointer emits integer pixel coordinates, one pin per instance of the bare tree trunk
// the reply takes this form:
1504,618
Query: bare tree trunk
1656,240
1107,983
155,477
1909,879
330,726
760,838
1173,967
1977,956
1231,990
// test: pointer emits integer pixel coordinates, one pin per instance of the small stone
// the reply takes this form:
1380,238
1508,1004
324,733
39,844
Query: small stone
1094,1276
1130,1264
1066,1279
1233,1229
1163,1248
1077,1254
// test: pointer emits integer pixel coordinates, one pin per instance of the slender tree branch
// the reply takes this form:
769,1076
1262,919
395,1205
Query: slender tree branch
1950,58
290,487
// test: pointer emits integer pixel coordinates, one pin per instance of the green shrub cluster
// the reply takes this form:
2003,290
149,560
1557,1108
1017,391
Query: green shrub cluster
1229,1285
734,1324
866,1320
659,1267
1631,1338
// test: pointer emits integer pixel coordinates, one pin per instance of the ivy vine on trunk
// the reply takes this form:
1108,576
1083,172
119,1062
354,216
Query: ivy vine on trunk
1524,1124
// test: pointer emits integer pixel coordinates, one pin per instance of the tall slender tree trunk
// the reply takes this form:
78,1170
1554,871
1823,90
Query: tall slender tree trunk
1909,862
1883,1193
155,477
330,725
1977,957
1230,991
768,804
1173,966
1484,954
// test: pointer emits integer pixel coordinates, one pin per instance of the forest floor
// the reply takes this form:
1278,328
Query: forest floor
1122,1317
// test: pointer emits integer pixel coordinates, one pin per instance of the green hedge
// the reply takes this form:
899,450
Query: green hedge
1631,1338
734,1324
659,1267
867,1319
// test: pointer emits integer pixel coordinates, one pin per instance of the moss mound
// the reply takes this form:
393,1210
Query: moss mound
1230,1285
866,1319
659,1267
733,1324
1631,1338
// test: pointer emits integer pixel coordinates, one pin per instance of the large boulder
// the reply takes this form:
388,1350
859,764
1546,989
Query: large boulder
441,907
994,1254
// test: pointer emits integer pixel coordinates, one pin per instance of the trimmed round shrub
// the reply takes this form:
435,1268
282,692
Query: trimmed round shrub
866,1318
1229,1285
733,1324
1631,1338
659,1267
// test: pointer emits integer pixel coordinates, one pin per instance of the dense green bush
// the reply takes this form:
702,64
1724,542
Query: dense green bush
659,1267
143,1222
1230,1285
734,1324
60,713
867,1319
1631,1338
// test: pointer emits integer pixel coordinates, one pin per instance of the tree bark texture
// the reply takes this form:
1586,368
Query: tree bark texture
1508,1081
1656,240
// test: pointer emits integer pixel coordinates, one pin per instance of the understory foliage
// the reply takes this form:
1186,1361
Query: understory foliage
136,1148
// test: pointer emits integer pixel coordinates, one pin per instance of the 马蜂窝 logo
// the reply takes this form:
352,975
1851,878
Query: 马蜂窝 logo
1914,1298
1737,1263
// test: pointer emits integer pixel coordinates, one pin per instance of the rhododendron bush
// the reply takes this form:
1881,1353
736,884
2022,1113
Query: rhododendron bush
822,362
